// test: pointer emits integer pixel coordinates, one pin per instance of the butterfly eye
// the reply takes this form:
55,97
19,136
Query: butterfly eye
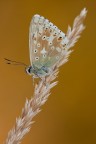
36,58
35,51
44,37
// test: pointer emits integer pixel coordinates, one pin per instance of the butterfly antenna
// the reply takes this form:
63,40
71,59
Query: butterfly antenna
8,61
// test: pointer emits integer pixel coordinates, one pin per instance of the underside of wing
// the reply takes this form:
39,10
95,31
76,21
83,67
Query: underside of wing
46,42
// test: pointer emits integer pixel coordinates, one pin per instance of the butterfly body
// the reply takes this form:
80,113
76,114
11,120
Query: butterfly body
38,72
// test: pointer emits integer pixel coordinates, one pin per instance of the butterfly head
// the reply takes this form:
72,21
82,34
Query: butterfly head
29,70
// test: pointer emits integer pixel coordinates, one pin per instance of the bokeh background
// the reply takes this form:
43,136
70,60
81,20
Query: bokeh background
69,116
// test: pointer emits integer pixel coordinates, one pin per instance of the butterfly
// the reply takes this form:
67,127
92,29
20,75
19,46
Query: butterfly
47,44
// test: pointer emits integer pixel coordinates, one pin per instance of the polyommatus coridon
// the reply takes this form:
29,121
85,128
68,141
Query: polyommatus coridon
46,47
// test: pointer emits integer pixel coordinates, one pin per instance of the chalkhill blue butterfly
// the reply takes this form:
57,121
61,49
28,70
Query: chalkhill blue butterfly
46,47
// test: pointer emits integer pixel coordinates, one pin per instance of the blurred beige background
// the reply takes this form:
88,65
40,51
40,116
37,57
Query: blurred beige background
69,116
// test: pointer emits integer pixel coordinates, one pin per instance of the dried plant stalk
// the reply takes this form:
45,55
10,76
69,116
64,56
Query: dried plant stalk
41,92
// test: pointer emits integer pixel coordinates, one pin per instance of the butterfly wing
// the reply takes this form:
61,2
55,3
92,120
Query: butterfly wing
46,42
